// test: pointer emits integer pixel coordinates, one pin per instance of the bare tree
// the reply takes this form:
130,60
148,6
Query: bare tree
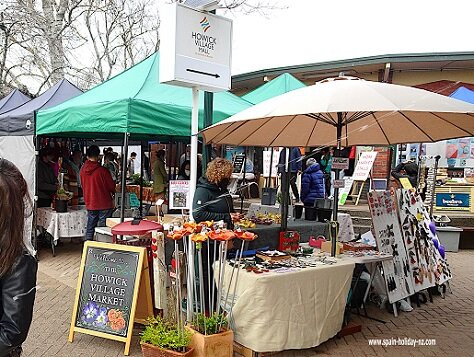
117,33
41,41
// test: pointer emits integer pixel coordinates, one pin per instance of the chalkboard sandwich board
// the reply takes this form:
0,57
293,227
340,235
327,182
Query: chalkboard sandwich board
111,279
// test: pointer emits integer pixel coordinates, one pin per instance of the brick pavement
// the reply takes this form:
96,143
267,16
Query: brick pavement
450,321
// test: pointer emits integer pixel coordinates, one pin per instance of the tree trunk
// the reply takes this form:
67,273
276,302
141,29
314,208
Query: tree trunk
54,37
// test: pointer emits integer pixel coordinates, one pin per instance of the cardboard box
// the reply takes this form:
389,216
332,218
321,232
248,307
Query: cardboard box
326,247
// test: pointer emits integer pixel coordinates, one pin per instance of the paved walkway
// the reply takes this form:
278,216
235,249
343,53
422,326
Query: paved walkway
450,321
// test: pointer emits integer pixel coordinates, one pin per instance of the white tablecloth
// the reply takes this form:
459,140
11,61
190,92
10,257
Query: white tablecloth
63,225
292,310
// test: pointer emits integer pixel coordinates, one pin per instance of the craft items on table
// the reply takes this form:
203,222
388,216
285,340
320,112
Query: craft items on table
273,255
426,263
388,236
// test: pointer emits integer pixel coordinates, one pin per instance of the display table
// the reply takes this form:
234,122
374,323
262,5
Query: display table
269,235
63,225
346,228
291,310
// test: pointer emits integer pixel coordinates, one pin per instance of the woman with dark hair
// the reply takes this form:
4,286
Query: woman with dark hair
184,172
17,267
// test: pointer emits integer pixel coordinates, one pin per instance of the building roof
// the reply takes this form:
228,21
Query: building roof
360,66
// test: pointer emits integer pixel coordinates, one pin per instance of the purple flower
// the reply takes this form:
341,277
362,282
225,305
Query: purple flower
90,312
101,319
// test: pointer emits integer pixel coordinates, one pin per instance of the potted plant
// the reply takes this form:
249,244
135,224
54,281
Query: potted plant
62,199
211,337
162,339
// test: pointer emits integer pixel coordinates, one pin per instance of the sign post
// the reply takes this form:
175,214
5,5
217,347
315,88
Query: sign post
113,291
195,52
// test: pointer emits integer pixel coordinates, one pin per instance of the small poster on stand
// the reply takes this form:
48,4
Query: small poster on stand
389,240
179,194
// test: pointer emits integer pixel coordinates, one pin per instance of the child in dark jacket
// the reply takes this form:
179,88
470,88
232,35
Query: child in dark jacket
312,183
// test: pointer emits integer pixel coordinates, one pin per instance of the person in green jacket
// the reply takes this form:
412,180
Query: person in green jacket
326,165
160,176
212,202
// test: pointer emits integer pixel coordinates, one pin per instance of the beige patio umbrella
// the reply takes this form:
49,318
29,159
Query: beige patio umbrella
364,112
346,111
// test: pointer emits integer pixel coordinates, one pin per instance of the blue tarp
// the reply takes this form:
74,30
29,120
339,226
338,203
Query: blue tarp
464,94
12,100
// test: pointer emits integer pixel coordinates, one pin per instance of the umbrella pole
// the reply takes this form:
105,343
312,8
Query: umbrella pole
285,192
333,227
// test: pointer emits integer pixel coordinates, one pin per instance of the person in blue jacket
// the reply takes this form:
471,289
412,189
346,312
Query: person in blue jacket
295,167
312,183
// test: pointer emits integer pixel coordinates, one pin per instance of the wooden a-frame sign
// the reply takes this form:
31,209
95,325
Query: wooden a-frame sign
113,291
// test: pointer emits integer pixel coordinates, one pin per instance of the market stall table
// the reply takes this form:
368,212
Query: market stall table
292,310
346,228
373,263
69,224
148,195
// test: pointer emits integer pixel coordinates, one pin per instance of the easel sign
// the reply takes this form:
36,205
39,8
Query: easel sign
112,279
361,174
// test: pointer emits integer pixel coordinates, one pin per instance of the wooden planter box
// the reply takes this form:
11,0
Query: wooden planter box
218,345
154,351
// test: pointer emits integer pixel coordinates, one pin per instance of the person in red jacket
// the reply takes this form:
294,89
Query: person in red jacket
98,188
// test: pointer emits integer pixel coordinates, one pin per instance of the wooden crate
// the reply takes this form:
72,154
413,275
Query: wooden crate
242,351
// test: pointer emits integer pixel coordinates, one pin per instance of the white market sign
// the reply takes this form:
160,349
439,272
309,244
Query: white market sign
364,165
195,49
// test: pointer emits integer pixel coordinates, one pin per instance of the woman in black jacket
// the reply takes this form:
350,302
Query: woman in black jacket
17,267
212,202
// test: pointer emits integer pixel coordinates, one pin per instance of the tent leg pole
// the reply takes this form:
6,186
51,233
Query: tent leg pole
124,176
336,189
35,198
142,155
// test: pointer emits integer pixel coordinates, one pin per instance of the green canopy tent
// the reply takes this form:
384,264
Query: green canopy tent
133,102
277,86
133,105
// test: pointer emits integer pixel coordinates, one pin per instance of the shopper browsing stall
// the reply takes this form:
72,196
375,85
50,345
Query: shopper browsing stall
160,176
312,183
131,164
109,164
184,172
99,188
47,183
326,166
295,166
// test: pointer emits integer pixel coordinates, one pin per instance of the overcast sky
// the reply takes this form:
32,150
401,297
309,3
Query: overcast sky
320,30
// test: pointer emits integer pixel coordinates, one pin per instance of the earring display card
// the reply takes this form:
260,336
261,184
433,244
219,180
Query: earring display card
389,240
426,264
